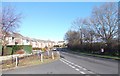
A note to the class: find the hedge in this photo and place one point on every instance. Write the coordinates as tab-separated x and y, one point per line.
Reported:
27	48
11	49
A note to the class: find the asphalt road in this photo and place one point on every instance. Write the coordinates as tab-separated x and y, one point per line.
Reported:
71	64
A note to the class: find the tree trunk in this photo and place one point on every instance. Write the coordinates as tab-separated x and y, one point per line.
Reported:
3	50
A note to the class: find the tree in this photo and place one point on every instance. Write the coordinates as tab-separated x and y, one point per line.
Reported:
86	32
78	25
104	20
9	22
73	38
89	35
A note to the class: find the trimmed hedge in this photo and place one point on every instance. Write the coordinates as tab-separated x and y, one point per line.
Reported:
12	49
27	48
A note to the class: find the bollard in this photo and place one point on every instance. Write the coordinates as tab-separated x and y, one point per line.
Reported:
16	61
53	55
41	57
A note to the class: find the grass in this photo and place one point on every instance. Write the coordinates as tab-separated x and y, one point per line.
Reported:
27	61
103	56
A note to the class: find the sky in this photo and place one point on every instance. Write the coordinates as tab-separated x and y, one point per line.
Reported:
50	20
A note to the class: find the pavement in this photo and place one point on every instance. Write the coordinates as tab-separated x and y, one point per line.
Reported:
71	64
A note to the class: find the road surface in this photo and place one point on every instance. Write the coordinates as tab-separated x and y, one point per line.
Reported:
71	64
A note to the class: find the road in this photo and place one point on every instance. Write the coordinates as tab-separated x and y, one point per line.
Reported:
71	64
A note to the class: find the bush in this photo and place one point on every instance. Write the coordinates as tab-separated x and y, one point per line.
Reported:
27	48
13	49
7	50
95	48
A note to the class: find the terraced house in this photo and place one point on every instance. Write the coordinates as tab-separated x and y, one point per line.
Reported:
18	39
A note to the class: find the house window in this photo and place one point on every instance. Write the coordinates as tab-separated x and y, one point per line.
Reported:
16	43
27	41
12	38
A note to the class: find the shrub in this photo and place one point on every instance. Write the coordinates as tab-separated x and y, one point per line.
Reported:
27	48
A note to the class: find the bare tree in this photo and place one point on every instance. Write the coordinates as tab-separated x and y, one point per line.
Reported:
119	22
78	25
72	37
85	30
104	20
88	35
101	26
9	22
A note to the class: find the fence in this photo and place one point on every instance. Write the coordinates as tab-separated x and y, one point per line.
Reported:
28	59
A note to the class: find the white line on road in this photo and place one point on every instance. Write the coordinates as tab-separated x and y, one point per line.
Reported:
77	69
82	72
84	69
73	65
68	61
78	66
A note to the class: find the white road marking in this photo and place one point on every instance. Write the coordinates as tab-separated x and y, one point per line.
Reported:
84	68
78	66
77	69
82	72
69	62
73	66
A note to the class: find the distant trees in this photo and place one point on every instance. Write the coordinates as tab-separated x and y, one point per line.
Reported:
101	27
73	38
9	22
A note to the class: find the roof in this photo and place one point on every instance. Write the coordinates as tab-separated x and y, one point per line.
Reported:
16	35
61	41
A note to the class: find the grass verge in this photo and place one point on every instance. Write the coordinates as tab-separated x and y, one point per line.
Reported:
27	61
95	55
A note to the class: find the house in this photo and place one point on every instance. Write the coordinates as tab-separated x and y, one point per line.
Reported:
60	43
26	41
14	38
33	43
18	39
